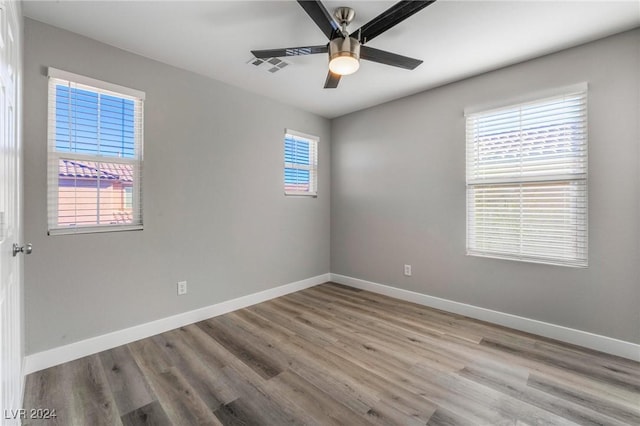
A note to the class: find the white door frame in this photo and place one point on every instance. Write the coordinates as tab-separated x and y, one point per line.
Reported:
11	288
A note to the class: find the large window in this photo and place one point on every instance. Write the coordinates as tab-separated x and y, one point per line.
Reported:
527	181
95	155
300	164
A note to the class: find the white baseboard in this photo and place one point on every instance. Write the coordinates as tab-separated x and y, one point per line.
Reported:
62	354
569	335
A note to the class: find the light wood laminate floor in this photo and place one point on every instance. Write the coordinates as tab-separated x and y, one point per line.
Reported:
334	355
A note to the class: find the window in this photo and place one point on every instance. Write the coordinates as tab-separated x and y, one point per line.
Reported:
95	155
527	181
300	164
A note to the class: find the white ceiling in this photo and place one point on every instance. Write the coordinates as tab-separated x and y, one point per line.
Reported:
456	39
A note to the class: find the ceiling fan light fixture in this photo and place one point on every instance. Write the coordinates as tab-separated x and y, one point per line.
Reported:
344	55
344	65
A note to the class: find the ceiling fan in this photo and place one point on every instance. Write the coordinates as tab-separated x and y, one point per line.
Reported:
345	50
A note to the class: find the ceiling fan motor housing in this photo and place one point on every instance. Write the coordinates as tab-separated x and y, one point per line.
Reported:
347	47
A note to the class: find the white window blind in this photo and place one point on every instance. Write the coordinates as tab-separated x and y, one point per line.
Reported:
300	163
527	181
95	141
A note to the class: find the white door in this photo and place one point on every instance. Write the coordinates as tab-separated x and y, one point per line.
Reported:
10	230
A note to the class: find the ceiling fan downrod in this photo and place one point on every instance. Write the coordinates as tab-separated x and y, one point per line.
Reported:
344	15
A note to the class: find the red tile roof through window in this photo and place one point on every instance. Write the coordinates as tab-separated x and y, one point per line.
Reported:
90	170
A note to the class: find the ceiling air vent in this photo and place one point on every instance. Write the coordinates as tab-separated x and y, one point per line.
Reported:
271	65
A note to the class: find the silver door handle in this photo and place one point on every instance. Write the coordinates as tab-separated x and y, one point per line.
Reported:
22	249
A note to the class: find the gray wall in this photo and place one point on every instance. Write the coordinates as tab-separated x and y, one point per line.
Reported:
398	195
214	210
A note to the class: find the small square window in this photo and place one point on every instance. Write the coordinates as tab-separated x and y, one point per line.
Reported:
300	164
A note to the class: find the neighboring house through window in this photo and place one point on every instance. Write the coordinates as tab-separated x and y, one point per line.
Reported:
300	163
95	155
527	181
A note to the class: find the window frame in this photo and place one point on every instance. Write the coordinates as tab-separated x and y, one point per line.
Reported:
524	180
54	156
312	167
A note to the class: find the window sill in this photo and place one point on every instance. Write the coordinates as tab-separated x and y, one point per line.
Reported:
300	194
553	262
94	229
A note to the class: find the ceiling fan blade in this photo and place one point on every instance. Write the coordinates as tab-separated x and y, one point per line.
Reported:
332	80
289	51
390	18
323	19
388	58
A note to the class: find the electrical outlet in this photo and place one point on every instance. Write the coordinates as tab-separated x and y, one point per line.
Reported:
407	270
182	288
